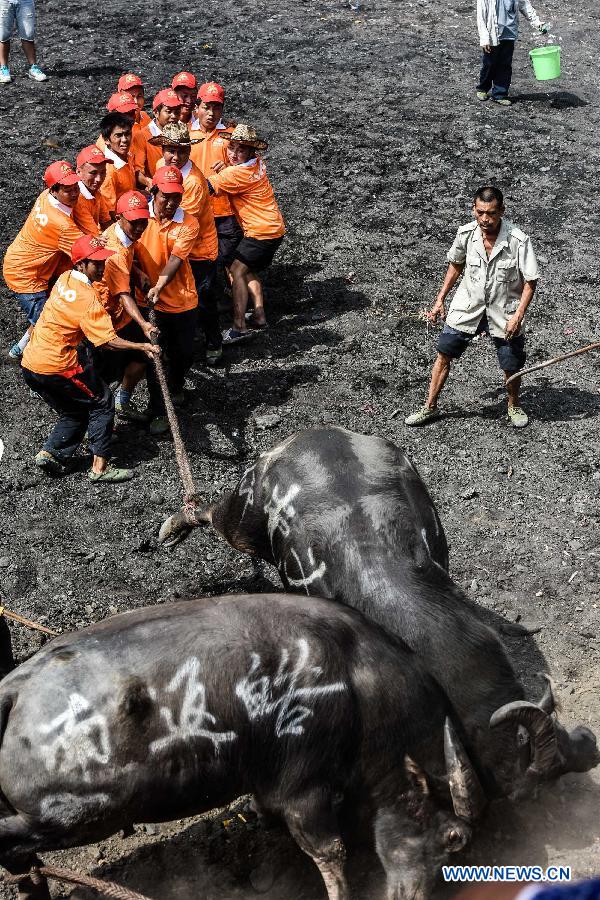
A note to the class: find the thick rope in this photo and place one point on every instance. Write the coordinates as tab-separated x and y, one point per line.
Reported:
23	621
109	888
555	359
190	497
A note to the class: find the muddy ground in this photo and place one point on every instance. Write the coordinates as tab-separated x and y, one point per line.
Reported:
377	143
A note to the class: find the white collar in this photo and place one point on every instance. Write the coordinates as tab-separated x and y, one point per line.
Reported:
154	129
126	241
250	162
221	126
58	205
178	217
118	162
86	193
80	276
185	170
194	124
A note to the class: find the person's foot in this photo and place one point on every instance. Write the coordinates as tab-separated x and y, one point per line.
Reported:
231	336
518	417
159	425
502	101
213	355
111	475
15	354
482	95
252	322
422	416
44	460
37	74
129	411
5	76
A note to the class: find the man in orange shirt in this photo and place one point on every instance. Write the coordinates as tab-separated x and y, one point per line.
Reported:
207	127
185	86
167	108
115	129
129	366
52	368
163	253
91	213
133	84
127	106
41	249
176	145
251	195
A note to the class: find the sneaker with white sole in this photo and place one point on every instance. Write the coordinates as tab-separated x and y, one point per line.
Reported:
15	354
5	76
422	416
518	417
37	74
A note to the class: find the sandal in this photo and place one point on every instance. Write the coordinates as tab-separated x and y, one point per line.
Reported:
111	475
231	336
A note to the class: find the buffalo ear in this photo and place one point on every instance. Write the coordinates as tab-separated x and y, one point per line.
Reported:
416	775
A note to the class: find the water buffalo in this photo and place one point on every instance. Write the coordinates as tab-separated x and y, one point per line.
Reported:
169	711
347	516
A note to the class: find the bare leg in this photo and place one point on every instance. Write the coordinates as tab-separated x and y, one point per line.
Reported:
4	51
512	389
439	376
239	272
132	375
33	888
312	824
256	295
29	51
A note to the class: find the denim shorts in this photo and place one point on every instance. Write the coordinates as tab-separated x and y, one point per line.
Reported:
20	13
32	305
511	354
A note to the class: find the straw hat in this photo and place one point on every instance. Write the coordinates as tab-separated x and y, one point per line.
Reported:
173	133
246	135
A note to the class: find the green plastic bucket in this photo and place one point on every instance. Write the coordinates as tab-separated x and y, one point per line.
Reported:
546	62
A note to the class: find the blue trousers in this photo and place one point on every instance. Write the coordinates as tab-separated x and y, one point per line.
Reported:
496	70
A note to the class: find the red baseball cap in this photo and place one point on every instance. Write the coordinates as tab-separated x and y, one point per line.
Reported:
128	81
60	172
211	92
133	205
91	154
184	79
166	97
89	247
169	180
122	102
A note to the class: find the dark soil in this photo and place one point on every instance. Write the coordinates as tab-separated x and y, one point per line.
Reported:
377	144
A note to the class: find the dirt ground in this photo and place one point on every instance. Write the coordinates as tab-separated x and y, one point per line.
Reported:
377	144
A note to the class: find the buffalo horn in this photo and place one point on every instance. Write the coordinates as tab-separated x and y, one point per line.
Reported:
540	727
177	527
548	702
468	798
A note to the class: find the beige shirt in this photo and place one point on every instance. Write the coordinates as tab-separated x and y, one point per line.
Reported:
493	286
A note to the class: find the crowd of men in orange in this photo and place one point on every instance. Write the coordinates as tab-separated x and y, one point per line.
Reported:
142	222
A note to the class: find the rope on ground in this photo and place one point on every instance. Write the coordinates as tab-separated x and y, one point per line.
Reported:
555	359
23	621
190	496
108	888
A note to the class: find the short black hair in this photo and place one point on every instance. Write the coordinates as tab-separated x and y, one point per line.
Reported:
488	193
111	121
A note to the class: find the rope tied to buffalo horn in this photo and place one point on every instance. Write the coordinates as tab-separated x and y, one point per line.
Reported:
108	888
23	621
555	359
190	497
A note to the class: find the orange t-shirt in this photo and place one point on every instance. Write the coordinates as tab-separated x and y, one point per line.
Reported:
196	201
153	251
71	313
144	119
120	178
39	248
146	155
212	149
117	275
90	213
252	199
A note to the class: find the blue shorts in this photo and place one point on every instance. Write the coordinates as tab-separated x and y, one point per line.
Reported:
511	354
20	13
32	305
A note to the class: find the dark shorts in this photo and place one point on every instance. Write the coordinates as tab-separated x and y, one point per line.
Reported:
111	364
256	254
511	354
229	234
32	305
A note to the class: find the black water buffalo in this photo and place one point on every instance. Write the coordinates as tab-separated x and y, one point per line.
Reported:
347	516
172	710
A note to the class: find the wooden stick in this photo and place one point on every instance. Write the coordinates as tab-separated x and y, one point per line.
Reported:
555	359
23	621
